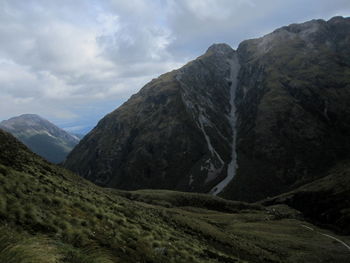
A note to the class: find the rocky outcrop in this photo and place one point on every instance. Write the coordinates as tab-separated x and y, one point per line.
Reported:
243	124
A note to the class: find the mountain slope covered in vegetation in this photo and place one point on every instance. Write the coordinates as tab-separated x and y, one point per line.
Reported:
246	124
49	214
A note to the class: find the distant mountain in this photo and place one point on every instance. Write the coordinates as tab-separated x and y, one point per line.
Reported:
41	136
246	124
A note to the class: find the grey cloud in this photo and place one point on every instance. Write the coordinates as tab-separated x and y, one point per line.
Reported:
202	22
70	59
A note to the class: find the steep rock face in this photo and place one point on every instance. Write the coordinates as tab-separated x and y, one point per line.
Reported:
41	136
293	107
175	133
245	125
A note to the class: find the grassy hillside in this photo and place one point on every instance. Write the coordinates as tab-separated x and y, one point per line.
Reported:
51	215
325	201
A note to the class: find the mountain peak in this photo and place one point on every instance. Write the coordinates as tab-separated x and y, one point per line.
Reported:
338	19
220	48
41	136
28	119
30	116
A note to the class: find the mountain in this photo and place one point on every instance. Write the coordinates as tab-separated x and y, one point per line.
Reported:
246	124
50	215
325	200
173	134
293	107
41	136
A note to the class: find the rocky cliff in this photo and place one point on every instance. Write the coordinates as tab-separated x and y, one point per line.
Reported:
176	133
243	124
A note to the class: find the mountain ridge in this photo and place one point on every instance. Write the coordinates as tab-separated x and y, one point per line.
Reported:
41	136
293	118
169	85
174	134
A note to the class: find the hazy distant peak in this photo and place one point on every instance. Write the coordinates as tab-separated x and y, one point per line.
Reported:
30	115
28	119
41	136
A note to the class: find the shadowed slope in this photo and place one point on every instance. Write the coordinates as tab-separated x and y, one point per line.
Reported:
76	221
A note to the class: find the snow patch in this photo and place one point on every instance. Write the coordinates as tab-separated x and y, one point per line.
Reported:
232	117
48	134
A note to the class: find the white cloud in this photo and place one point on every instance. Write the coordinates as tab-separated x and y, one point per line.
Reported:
56	55
72	59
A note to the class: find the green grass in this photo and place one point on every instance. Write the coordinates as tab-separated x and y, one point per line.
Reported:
21	248
56	216
325	201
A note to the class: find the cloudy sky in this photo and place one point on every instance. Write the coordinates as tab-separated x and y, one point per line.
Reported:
73	61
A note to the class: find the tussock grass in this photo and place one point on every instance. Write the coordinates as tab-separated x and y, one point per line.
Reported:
86	255
59	217
16	248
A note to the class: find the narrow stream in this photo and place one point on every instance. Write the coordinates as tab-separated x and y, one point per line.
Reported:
232	166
